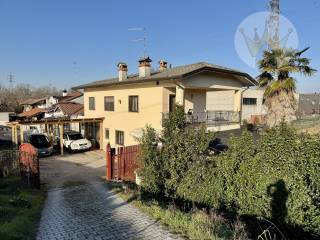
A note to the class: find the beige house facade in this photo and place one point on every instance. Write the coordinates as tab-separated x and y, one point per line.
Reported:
130	102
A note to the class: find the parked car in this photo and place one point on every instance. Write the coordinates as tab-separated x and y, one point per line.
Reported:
216	146
74	141
42	144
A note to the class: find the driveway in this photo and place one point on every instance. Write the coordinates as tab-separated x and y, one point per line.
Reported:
79	205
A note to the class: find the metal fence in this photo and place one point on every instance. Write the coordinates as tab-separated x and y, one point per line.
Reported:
9	163
23	162
122	164
214	117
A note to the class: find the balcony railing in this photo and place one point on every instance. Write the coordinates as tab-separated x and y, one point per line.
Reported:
212	118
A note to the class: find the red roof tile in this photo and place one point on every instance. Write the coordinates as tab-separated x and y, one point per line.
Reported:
71	108
33	112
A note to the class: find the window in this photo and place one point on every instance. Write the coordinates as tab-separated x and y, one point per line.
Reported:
107	133
133	104
119	137
249	101
92	103
109	103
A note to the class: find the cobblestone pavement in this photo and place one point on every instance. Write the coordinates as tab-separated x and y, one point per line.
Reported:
91	211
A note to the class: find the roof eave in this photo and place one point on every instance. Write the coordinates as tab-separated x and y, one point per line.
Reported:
250	79
128	82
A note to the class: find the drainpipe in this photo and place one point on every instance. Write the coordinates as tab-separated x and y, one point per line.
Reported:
242	104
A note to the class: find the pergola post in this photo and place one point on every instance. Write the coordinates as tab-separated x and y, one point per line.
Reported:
12	134
16	135
21	134
61	138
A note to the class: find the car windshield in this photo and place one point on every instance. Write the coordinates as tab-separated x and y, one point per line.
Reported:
39	141
76	136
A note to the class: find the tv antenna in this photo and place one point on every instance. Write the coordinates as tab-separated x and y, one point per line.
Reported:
143	39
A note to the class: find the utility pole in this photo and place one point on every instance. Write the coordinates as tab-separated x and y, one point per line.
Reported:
11	79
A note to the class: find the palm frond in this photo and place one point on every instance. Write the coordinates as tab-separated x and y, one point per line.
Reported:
298	54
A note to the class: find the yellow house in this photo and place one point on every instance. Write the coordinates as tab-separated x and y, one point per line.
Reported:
211	95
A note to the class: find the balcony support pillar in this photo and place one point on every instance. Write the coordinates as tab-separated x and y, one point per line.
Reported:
180	95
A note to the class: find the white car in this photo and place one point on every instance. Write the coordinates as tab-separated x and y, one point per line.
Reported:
74	141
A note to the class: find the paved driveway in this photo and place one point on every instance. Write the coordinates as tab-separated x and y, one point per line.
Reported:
79	206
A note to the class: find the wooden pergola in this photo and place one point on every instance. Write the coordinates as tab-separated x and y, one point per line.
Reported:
15	126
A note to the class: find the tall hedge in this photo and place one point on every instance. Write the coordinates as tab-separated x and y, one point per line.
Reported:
277	178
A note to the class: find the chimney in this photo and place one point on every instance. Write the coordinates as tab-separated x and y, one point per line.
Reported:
145	67
162	65
64	92
123	71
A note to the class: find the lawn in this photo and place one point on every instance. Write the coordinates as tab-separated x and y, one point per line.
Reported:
195	224
20	209
308	124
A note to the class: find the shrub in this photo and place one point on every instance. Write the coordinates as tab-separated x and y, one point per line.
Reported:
277	178
150	162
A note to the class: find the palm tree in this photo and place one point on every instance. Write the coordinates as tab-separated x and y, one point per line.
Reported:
277	66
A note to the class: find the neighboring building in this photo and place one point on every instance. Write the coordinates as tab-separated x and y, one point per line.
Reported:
43	103
33	114
75	96
129	103
66	110
309	104
6	114
253	105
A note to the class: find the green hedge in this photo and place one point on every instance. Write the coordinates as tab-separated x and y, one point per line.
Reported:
277	178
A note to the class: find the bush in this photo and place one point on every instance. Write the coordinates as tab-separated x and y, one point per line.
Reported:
150	162
277	178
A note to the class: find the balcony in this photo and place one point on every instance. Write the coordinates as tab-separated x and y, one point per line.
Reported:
214	120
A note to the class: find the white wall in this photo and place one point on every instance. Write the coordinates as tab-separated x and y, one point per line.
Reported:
210	80
195	100
4	116
220	100
258	109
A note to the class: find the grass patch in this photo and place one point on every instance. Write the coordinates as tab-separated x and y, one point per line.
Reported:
20	209
195	224
310	124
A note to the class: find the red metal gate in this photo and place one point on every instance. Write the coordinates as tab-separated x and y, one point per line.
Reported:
121	165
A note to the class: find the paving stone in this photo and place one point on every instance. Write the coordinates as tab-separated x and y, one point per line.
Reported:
93	212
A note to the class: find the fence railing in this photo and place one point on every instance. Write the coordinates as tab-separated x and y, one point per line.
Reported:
9	163
211	118
23	162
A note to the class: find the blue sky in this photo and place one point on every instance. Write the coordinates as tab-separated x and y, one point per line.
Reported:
69	42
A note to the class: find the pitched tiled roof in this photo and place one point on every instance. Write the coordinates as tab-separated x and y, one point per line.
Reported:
171	73
32	101
70	108
33	112
70	96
